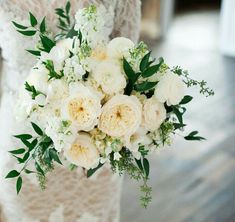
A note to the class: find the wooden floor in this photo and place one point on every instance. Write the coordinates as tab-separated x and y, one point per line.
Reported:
194	182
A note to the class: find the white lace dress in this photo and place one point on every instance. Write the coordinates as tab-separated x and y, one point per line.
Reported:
69	196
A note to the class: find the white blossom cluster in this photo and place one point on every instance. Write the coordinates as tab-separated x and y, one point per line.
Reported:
85	110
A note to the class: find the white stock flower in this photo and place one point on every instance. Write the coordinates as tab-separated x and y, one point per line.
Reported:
119	47
61	132
170	89
121	116
136	140
92	23
82	107
109	76
154	113
83	152
73	70
58	54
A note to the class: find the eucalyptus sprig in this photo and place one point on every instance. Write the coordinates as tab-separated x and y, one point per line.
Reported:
38	150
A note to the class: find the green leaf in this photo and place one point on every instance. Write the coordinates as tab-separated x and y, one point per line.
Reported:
90	172
129	71
72	33
27	33
18	151
39	169
37	129
67	7
178	114
54	156
186	100
28	171
43	25
178	125
26	157
24	136
47	43
33	20
12	174
34	52
33	144
145	86
151	71
144	62
19	26
146	166
19	184
138	162
192	136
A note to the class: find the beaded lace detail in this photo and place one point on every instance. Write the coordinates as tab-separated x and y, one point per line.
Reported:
70	196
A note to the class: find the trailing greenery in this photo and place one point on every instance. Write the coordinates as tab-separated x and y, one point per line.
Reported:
137	169
204	89
37	149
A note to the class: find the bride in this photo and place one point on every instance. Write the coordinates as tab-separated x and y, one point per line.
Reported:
69	197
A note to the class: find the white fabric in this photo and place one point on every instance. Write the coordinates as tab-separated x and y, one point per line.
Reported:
70	196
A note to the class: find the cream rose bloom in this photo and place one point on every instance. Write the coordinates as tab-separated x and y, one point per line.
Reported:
119	47
170	89
108	75
121	116
154	114
83	152
82	107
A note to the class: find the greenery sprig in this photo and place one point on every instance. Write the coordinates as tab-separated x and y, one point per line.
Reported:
46	43
204	89
38	150
32	90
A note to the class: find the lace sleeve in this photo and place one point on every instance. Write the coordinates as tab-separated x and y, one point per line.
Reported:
127	19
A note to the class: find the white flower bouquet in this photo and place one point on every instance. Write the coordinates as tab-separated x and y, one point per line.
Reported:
90	101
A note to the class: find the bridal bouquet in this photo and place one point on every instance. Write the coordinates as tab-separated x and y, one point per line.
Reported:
91	101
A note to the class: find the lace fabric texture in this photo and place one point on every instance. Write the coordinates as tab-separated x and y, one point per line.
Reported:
70	196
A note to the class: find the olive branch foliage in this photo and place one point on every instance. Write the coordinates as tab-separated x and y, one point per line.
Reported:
40	149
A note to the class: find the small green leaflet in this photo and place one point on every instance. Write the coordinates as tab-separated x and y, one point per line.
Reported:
34	52
33	20
43	25
32	90
90	172
19	184
17	25
186	100
144	86
146	167
17	152
12	174
144	62
27	33
193	136
37	129
129	71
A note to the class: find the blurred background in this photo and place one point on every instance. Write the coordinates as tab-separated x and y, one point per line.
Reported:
193	181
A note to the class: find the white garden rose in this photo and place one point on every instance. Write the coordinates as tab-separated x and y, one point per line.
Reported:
170	89
58	54
82	107
38	77
121	116
83	152
57	90
108	75
154	113
119	47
